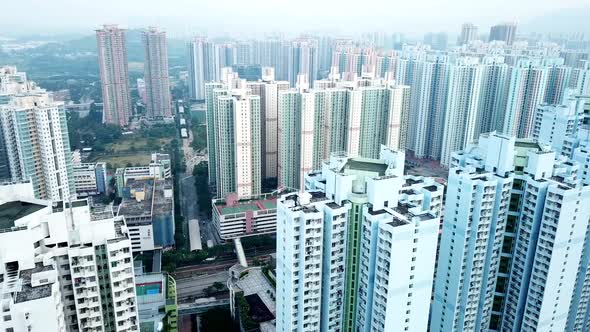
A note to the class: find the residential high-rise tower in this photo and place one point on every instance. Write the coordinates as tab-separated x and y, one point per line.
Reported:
505	32
35	141
468	34
157	80
356	250
114	75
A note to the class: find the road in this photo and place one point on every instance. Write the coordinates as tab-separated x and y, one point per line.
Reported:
189	195
219	265
188	289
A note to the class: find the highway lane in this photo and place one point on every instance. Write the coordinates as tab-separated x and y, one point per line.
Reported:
188	289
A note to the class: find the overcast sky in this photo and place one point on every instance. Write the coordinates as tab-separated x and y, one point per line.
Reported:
257	17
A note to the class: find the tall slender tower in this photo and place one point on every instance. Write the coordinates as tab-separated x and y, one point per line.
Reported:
157	81
268	89
234	137
462	106
429	83
478	195
303	60
114	75
296	137
494	88
468	34
505	32
201	65
35	141
356	252
528	83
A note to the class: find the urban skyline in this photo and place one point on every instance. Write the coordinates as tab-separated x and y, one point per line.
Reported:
305	182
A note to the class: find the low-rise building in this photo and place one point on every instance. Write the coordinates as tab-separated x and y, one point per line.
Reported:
148	207
159	168
90	179
157	302
237	217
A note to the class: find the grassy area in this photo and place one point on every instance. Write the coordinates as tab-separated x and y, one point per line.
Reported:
116	161
133	149
133	142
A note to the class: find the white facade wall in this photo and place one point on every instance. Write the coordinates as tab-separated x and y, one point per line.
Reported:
70	240
462	107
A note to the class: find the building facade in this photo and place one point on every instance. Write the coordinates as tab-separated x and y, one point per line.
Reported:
478	195
114	75
468	34
340	240
67	267
157	80
235	136
90	179
505	32
36	145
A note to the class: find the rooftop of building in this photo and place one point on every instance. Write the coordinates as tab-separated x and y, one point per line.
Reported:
28	292
431	188
365	165
528	144
153	203
11	211
231	205
413	180
59	205
405	210
100	211
333	205
86	166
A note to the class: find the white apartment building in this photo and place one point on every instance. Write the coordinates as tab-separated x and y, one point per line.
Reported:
357	248
35	140
493	94
268	89
303	59
465	81
555	123
234	116
526	90
428	78
201	66
64	266
478	194
296	129
548	280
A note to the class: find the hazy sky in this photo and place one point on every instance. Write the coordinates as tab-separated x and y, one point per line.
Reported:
221	17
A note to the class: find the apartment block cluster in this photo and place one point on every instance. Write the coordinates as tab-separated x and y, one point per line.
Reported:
356	249
261	130
359	248
453	94
66	260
